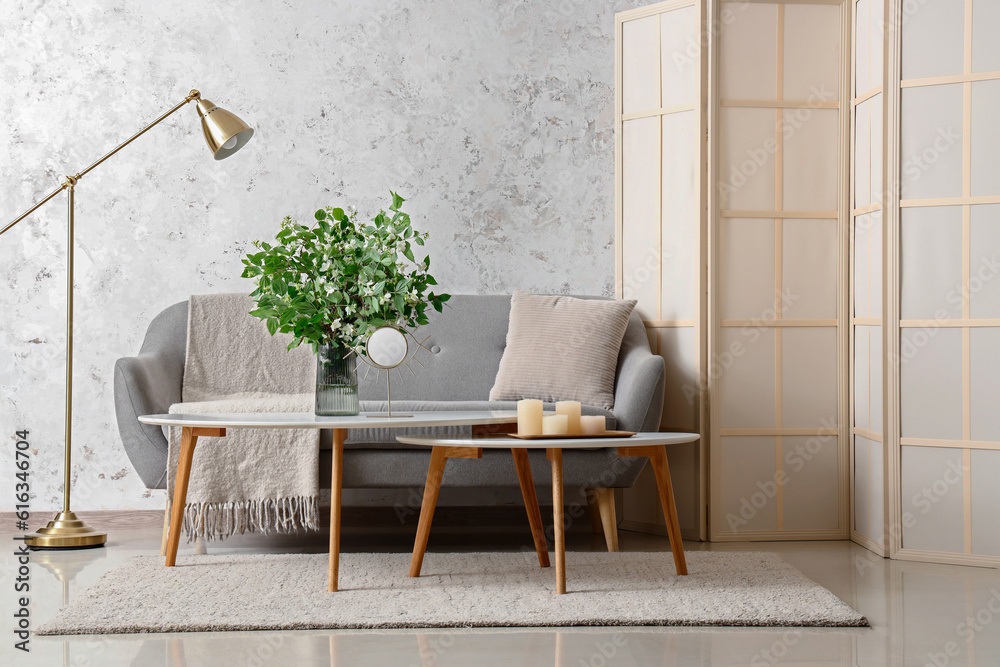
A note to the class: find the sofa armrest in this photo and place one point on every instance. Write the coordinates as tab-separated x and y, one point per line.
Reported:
146	384
639	391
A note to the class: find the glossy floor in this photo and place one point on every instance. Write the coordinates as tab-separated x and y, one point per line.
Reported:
920	614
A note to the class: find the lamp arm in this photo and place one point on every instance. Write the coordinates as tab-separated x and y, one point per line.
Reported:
71	180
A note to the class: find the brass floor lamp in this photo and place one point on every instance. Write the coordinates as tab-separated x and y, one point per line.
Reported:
225	134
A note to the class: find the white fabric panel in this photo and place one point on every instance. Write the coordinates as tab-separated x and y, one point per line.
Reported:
863	257
748	52
933	39
812	52
931	383
679	349
931	141
862	154
984	261
875	275
875	386
862	47
931	240
744	365
862	377
877	14
809	377
746	158
984	346
876	519
640	65
985	45
932	498
985	136
985	502
679	65
681	221
875	171
811	494
811	167
862	486
747	465
640	212
809	268
746	268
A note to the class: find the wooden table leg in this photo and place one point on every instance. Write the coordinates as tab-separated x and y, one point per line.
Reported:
658	459
435	472
662	471
531	503
336	490
555	456
189	438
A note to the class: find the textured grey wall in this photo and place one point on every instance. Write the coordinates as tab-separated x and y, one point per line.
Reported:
493	117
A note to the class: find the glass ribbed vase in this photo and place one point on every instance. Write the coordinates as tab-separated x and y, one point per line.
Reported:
336	382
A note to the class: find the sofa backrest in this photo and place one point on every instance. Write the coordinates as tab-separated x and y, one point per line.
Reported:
464	346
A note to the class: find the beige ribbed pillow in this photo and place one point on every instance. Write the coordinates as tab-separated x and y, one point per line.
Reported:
562	349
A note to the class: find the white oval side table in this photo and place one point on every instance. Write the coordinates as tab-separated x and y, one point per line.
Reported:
652	445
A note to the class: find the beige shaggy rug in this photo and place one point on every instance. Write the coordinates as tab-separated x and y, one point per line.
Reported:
271	592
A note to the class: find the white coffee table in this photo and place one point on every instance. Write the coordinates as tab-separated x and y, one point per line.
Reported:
652	445
214	425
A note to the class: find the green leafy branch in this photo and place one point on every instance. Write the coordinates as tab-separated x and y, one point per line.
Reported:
335	282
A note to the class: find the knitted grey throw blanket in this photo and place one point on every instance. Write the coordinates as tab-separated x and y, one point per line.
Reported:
251	480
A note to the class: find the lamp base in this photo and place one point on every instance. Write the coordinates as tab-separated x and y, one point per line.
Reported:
65	531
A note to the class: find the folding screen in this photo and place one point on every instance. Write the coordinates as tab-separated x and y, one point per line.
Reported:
779	447
660	207
948	235
867	454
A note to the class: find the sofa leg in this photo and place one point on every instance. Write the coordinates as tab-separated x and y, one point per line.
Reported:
166	528
606	506
200	546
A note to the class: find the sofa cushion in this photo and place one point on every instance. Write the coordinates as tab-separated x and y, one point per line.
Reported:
562	348
385	438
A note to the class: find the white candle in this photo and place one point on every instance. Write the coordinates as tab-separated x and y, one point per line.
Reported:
593	425
572	410
529	417
555	425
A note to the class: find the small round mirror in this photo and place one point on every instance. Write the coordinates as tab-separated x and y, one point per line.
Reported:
387	347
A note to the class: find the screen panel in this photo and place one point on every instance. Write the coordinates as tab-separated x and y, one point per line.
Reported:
777	348
660	204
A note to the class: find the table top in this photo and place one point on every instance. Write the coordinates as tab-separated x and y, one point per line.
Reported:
505	442
309	420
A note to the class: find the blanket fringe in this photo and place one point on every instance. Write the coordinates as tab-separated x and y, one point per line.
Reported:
216	521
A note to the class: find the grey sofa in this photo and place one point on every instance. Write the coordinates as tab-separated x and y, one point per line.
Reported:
466	343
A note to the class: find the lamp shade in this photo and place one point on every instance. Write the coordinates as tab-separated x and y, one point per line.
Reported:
224	131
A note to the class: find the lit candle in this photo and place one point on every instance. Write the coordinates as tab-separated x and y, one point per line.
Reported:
593	425
555	425
572	410
529	417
